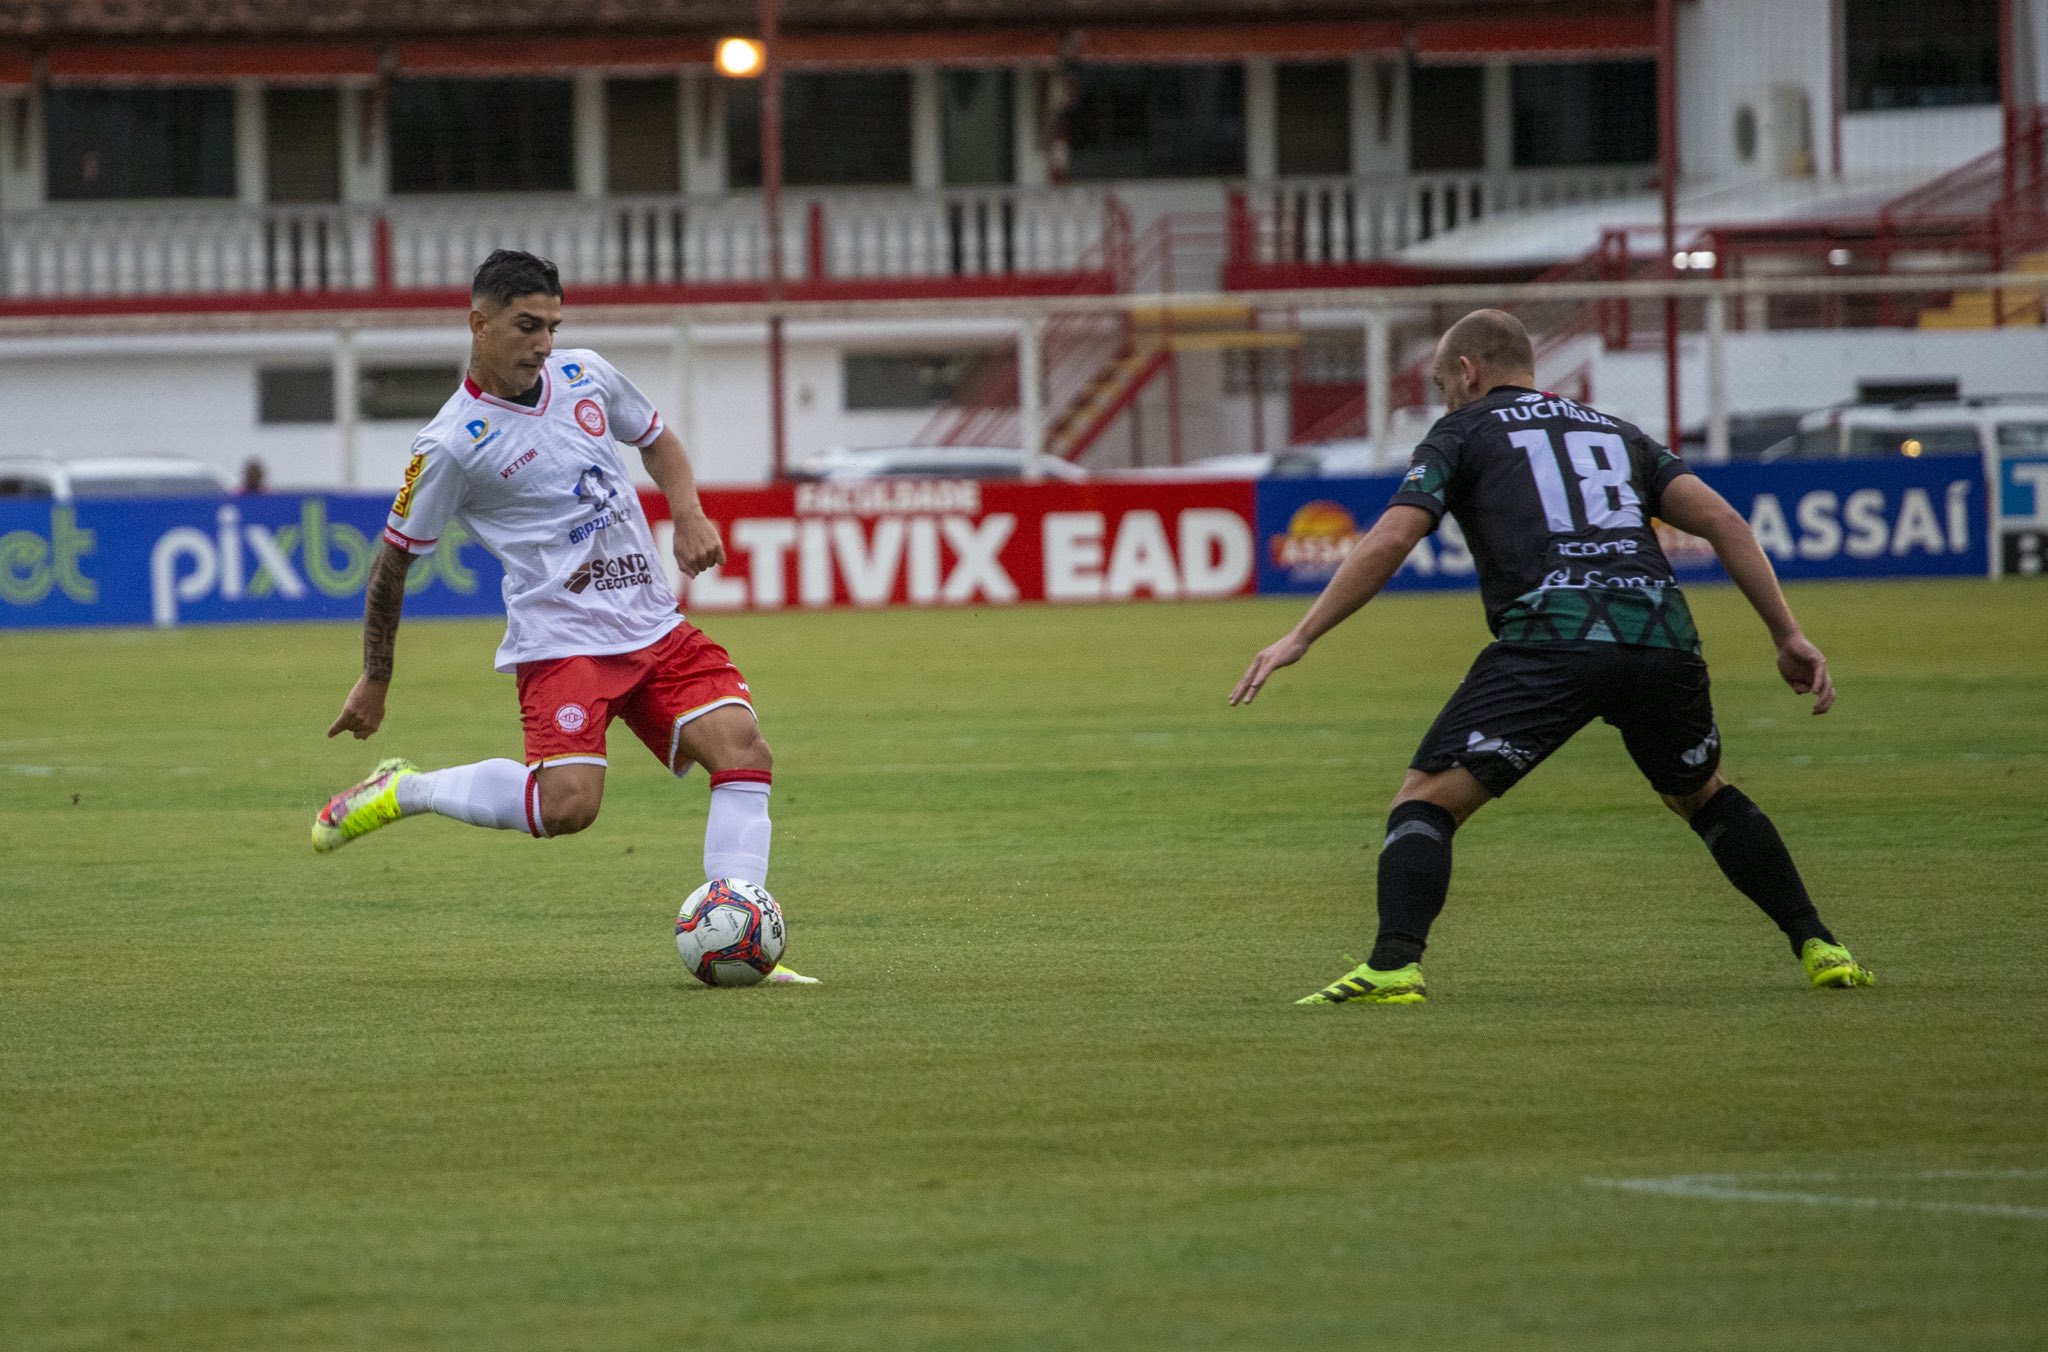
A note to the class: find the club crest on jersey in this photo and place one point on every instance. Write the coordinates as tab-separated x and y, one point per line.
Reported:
571	718
575	373
590	417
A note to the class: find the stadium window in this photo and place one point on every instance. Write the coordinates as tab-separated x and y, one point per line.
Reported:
1314	118
481	136
1156	122
104	144
839	129
302	144
1584	112
904	380
1910	54
296	394
1446	118
405	393
643	140
977	110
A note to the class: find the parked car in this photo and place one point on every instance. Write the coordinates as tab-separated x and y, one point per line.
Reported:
847	464
2014	425
110	477
1329	459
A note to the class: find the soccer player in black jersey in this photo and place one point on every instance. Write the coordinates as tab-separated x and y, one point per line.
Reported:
1556	501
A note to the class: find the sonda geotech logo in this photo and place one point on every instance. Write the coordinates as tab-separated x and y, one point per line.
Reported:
627	570
1319	535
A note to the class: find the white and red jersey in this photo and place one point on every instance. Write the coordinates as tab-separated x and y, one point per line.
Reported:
547	491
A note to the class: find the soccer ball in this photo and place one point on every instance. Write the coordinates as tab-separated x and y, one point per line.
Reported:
730	933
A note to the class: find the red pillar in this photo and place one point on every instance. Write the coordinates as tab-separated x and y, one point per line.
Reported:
771	211
1667	171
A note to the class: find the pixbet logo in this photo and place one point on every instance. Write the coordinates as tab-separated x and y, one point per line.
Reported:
30	565
313	554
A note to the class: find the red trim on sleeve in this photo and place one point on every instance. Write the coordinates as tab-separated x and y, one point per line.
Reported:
406	542
653	431
722	777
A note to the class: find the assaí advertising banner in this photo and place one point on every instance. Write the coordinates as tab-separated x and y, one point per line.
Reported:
1898	517
260	557
968	542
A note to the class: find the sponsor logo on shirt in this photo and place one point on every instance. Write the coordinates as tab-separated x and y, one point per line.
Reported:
402	504
1593	549
521	463
480	433
571	718
612	516
575	373
594	488
627	570
590	417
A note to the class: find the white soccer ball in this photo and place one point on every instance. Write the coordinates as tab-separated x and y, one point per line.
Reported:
730	933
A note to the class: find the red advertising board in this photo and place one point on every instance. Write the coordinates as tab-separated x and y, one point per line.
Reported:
964	542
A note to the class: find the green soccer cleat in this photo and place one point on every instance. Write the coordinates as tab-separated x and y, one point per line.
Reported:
783	976
362	809
1402	986
1829	965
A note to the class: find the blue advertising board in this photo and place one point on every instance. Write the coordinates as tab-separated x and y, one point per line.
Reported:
219	560
1900	517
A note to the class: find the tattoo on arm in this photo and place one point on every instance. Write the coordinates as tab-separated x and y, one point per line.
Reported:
383	603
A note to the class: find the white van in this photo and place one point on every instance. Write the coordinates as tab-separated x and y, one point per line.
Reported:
2004	426
142	476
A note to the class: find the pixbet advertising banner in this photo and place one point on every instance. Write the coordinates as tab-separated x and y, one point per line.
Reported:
966	542
211	561
1900	517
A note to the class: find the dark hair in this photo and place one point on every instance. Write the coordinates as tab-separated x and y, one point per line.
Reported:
510	273
1493	339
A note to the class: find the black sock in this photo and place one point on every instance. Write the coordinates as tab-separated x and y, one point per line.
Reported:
1753	855
1415	875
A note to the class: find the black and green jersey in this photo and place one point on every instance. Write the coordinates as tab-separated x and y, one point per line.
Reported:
1556	501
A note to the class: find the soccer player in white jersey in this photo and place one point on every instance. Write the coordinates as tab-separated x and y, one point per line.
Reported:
525	455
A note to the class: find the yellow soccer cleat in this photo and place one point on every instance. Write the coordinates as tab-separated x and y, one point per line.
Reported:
359	810
783	976
1831	965
1368	986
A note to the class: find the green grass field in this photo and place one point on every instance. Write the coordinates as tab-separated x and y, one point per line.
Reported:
451	1089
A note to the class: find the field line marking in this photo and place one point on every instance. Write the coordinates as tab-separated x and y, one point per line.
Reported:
1745	1188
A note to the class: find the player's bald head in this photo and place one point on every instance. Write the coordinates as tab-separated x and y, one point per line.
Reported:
1493	340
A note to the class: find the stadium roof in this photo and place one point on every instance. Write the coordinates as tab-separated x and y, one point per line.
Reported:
370	19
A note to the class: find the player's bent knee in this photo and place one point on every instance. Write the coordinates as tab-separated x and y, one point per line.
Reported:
569	818
1686	804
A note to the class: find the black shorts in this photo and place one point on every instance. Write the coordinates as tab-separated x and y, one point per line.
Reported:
1522	701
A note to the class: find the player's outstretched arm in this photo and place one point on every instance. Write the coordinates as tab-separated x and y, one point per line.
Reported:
383	603
697	545
1692	506
1366	569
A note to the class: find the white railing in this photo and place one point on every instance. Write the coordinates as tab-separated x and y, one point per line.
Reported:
78	251
963	233
603	242
183	250
1341	220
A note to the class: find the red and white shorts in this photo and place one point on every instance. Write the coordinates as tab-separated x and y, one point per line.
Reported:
566	703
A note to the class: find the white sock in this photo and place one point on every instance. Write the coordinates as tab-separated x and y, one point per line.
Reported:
737	829
494	793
